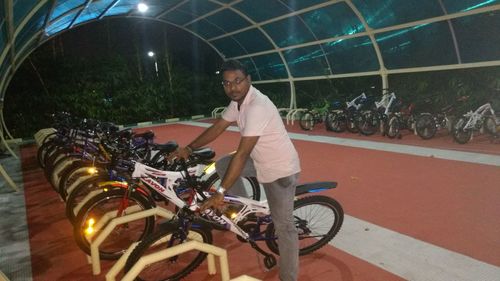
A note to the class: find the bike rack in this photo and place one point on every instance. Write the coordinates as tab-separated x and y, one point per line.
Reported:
290	117
79	180
3	277
217	111
178	249
85	199
41	134
94	245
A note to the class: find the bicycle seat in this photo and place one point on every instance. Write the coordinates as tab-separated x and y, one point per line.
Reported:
204	153
168	147
149	135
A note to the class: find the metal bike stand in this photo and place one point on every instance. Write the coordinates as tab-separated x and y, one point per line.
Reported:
218	111
293	113
94	245
85	199
7	178
3	277
211	250
41	134
78	181
4	128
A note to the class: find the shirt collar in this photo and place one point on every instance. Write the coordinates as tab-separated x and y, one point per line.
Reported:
250	96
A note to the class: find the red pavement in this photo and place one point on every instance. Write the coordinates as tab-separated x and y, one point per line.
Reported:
447	203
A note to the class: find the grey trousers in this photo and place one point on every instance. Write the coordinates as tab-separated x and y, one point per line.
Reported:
280	197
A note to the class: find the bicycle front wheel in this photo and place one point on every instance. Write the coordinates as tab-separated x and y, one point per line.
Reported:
336	122
425	126
460	134
392	127
307	121
107	204
173	268
368	123
317	218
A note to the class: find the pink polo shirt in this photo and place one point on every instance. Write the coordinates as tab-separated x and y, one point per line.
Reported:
274	155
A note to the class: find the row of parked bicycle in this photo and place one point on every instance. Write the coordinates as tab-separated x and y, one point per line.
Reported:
103	174
389	116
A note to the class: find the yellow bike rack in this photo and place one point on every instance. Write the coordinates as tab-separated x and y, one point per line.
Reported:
94	245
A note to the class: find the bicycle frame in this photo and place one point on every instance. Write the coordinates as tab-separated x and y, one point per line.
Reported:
249	206
354	103
474	117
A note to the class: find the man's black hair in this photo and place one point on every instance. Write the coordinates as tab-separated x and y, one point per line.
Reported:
232	65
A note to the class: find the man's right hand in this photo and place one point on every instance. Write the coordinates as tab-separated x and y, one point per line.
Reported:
181	152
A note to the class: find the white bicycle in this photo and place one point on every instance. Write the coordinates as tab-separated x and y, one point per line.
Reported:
318	219
482	119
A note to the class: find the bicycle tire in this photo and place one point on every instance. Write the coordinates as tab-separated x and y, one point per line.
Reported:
307	121
80	192
368	123
251	183
351	123
426	126
58	168
336	122
490	126
392	127
109	250
161	270
68	176
461	135
318	201
42	150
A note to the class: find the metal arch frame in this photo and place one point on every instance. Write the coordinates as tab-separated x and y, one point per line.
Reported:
452	31
371	35
223	7
381	30
9	47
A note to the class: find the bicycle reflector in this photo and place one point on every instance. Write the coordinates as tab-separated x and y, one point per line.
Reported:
90	226
92	170
210	168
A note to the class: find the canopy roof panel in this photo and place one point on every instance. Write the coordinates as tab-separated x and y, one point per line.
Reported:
286	40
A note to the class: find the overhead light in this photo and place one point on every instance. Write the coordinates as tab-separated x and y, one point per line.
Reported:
151	54
142	7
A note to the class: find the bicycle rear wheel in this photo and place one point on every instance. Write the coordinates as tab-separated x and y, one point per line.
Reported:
307	121
425	126
491	127
173	268
317	218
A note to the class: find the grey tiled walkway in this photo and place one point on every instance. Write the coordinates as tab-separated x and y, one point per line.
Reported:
15	260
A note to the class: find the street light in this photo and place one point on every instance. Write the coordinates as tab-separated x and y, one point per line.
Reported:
151	54
142	7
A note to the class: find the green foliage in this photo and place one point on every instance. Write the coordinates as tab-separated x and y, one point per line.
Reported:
105	89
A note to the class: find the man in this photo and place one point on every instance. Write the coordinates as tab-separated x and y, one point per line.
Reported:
265	149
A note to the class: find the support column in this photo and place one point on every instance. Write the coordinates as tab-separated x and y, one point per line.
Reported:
4	142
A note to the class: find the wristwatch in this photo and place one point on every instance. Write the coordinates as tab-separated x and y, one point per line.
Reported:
220	190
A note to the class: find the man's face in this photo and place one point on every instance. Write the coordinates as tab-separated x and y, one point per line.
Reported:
236	85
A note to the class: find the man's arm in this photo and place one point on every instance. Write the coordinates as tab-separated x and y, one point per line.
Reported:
210	134
233	171
238	161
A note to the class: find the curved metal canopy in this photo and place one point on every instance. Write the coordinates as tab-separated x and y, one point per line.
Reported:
286	40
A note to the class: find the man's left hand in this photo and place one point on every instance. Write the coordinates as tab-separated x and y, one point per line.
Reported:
215	201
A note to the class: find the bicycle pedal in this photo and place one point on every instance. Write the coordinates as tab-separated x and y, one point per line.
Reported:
269	262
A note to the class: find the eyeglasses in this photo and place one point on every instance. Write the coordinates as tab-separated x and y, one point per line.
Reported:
236	82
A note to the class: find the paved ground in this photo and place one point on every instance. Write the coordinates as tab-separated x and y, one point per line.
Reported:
415	210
